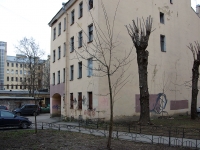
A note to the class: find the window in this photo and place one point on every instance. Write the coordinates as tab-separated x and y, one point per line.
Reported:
7	86
20	71
90	67
63	75
24	71
12	79
11	86
54	55
90	100
171	1
71	72
162	43
16	64
7	114
64	24
162	19
12	71
20	86
54	33
59	52
58	77
53	78
12	64
7	71
64	46
20	79
71	101
59	28
38	67
16	71
72	17
90	4
24	86
24	79
80	39
79	100
25	66
90	36
80	9
16	86
20	65
7	64
79	70
16	79
72	44
7	78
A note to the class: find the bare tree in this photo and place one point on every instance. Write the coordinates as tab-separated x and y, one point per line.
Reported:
103	51
140	33
195	76
32	63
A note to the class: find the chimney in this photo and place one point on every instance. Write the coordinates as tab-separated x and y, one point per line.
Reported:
198	10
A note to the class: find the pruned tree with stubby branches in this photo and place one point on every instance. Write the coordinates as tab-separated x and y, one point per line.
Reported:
108	64
140	32
195	77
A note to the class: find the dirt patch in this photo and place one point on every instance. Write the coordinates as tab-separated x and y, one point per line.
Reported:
63	140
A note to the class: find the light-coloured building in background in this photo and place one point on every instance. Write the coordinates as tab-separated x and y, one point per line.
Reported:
75	92
3	53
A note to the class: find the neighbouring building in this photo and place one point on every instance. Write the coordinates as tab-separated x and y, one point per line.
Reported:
18	73
76	92
3	53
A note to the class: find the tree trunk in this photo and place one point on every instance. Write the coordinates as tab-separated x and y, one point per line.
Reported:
195	77
111	114
142	60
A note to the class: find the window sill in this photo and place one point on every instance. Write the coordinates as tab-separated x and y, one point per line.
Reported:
54	61
71	108
58	83
88	76
64	30
59	34
71	80
90	42
71	24
79	78
71	51
58	58
80	17
80	46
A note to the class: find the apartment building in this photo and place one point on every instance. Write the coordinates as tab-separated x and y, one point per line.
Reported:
76	92
17	76
3	53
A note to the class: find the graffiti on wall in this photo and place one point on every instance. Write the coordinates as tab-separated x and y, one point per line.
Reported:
160	104
90	112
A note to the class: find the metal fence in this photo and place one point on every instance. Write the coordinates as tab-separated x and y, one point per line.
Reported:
171	136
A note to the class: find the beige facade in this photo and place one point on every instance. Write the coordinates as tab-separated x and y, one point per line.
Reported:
17	72
170	61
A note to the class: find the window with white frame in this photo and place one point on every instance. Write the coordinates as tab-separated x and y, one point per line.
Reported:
12	71
80	39
20	79
72	44
16	71
7	64
79	70
90	67
90	4
16	64
80	9
59	77
64	49
12	64
8	71
7	78
16	79
59	28
54	55
53	79
162	43
64	24
20	71
12	78
59	52
63	75
72	17
71	72
90	33
54	33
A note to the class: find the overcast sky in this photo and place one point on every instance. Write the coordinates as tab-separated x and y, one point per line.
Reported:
30	18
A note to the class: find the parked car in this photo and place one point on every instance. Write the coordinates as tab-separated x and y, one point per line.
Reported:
3	107
27	109
8	119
